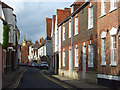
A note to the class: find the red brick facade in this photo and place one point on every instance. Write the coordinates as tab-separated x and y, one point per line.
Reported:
105	23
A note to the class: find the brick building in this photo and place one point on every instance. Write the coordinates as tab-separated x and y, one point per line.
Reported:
25	51
79	45
108	21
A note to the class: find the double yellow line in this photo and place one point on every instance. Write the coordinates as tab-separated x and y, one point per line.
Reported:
54	80
18	81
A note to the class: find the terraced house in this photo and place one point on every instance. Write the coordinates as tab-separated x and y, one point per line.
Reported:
79	45
108	27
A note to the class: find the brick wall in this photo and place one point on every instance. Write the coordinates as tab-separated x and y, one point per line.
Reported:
106	23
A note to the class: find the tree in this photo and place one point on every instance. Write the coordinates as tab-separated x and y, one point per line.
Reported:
5	36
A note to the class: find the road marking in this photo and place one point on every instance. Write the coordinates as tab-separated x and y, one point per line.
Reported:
54	80
18	81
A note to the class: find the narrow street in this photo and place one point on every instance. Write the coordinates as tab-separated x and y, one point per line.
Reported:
33	78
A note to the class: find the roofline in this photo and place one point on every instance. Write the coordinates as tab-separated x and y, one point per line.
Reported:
7	6
71	15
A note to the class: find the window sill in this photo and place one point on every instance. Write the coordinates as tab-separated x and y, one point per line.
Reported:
103	15
69	37
76	66
111	10
103	64
76	34
91	66
90	28
113	64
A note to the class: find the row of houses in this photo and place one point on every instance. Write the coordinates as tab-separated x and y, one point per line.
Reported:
85	42
9	37
36	52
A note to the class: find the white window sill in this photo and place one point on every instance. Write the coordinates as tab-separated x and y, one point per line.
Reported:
69	37
113	64
103	64
113	9
76	66
90	65
90	28
76	34
102	15
63	66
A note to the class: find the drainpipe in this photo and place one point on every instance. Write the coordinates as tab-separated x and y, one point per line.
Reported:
72	43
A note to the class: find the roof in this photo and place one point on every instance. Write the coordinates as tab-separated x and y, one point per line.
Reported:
42	44
6	6
74	13
48	28
36	45
62	14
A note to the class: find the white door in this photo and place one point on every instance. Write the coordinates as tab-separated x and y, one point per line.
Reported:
84	62
69	62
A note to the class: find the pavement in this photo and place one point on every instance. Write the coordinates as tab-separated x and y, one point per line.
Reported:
75	83
10	79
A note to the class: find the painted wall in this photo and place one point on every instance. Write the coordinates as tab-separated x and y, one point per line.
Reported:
1	26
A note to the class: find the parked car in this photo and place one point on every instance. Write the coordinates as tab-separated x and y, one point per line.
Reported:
38	65
22	64
33	64
44	65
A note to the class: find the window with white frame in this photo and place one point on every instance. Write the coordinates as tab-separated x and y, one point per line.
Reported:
76	57
113	50
90	56
69	28
63	58
63	32
90	17
76	25
112	5
103	51
103	7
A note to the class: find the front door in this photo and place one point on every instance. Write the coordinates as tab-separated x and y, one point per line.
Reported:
84	62
70	62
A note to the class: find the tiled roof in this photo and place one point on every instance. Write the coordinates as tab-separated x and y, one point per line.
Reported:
36	45
54	20
48	28
62	14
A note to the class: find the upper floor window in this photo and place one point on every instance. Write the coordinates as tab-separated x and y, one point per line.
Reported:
112	5
103	7
69	29
76	25
90	17
76	57
63	33
90	55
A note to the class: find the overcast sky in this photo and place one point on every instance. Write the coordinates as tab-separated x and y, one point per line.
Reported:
31	17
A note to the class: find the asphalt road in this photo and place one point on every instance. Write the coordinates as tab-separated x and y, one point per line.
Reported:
33	78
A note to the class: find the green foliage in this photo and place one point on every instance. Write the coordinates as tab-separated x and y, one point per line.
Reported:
5	36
